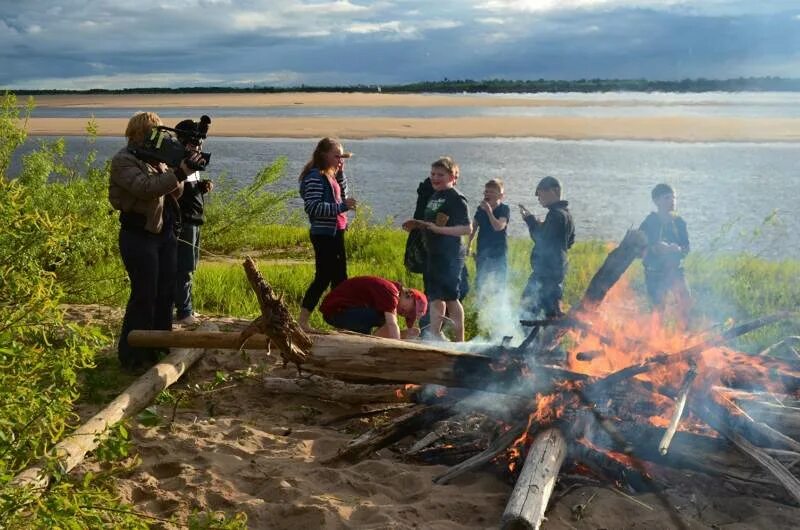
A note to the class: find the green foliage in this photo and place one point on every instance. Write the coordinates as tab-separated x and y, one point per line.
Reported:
40	354
231	212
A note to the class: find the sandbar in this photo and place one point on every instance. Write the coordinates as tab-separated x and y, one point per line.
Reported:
675	129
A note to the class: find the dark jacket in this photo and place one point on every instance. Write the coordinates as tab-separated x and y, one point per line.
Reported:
671	231
424	192
136	187
552	238
319	202
192	203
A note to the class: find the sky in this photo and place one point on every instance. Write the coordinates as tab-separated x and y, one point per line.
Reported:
82	44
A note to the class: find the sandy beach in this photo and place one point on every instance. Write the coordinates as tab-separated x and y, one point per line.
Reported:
661	128
242	448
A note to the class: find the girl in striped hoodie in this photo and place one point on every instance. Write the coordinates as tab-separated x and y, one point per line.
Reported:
323	188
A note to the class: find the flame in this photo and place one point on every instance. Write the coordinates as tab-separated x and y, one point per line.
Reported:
405	391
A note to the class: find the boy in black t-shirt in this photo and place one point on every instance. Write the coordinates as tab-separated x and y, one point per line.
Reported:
490	223
446	219
667	245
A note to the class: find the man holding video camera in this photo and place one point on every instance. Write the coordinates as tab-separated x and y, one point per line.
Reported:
145	190
192	204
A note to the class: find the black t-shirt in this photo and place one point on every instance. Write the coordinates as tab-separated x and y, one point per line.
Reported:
491	242
445	208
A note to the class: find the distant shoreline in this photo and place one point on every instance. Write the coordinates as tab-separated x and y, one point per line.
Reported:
655	128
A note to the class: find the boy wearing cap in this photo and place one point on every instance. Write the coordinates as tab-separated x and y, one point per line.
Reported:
365	302
192	205
552	238
667	245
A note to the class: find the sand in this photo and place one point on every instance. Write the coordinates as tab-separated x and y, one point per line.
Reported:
666	128
241	449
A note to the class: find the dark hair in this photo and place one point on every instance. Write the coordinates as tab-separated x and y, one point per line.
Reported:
660	190
318	156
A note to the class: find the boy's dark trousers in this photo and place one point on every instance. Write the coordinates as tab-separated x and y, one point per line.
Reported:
331	267
188	256
543	294
661	282
150	260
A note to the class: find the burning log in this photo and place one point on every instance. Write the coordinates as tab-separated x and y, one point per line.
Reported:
390	433
616	263
680	404
690	354
498	446
528	502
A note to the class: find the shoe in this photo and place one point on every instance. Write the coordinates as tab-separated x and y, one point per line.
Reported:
190	320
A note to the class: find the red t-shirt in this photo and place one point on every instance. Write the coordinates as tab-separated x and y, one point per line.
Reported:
362	291
341	219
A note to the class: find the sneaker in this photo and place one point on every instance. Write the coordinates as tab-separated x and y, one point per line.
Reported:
190	320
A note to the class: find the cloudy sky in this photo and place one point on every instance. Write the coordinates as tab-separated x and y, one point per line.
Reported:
112	44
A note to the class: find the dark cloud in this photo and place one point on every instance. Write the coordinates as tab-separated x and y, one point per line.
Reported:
80	44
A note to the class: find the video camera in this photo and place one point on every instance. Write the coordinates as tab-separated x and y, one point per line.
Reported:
170	146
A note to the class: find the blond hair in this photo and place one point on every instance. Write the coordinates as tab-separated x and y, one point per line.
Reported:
496	183
140	125
324	147
448	164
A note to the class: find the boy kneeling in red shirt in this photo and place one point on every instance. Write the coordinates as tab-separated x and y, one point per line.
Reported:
365	302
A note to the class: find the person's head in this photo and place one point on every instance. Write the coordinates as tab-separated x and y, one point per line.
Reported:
140	125
327	157
444	173
493	191
664	198
187	131
411	304
548	191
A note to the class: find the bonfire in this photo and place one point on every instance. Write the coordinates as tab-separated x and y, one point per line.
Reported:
603	394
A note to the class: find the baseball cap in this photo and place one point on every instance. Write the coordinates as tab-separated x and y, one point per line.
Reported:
420	306
548	183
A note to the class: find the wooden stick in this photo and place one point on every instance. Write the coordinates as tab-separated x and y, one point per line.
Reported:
71	451
680	404
528	502
385	435
497	446
778	470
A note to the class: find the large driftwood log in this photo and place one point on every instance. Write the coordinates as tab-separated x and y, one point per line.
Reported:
338	392
72	450
526	507
365	358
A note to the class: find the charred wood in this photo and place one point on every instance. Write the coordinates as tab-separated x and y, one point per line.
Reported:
336	391
385	435
499	445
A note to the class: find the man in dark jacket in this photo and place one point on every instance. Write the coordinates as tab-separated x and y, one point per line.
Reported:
552	238
192	204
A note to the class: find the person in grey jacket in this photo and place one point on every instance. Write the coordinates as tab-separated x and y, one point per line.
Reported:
145	192
323	188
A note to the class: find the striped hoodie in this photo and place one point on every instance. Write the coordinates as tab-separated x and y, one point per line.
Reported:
319	202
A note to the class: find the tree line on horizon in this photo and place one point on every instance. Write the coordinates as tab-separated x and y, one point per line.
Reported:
449	86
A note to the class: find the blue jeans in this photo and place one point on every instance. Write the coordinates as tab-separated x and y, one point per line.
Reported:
188	256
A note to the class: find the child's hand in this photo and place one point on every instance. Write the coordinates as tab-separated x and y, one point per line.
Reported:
485	206
351	203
